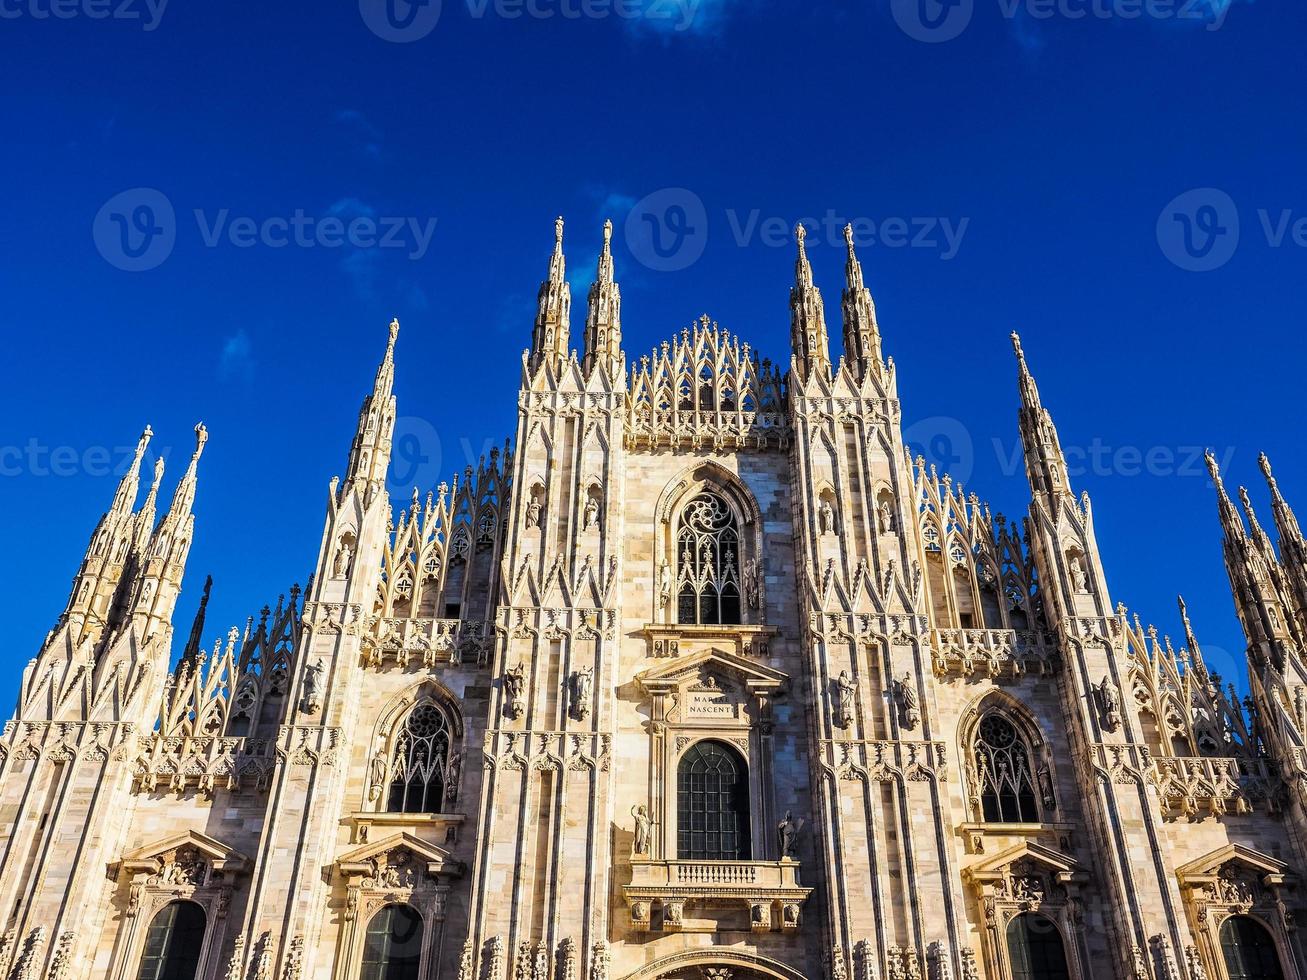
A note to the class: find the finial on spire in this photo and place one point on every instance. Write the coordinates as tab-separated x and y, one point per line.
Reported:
558	233
848	237
1016	347
201	437
394	332
1214	470
801	233
158	474
608	232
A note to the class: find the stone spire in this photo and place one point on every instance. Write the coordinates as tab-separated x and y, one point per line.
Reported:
369	457
1045	464
807	317
549	339
1293	549
192	651
111	550
603	322
162	565
1231	523
861	332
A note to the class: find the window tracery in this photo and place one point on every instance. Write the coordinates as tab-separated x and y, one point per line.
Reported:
1003	771
420	761
708	562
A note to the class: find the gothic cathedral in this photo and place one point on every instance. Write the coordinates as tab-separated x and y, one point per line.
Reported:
702	678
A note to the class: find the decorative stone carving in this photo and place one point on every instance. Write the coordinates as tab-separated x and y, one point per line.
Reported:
844	694
312	702
514	691
643	829
1109	704
905	694
580	686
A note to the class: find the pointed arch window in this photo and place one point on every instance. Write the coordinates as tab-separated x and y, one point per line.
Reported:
392	948
1249	950
1035	949
708	562
173	943
420	762
1007	784
712	813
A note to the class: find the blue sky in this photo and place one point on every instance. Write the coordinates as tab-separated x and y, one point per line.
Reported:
1035	170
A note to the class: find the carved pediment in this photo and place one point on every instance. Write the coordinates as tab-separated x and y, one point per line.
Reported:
186	858
1231	856
1027	856
395	861
716	667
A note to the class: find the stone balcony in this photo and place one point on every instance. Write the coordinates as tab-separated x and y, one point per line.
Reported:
1191	785
992	652
703	896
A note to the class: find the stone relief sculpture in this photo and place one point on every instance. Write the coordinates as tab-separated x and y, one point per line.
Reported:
665	584
826	518
591	516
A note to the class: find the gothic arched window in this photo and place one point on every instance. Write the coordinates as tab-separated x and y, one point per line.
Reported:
1035	950
712	814
173	943
1249	950
419	762
392	948
1007	784
708	562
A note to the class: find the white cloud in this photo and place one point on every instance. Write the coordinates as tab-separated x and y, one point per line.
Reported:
236	361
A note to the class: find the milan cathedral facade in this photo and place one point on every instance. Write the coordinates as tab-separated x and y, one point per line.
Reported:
704	678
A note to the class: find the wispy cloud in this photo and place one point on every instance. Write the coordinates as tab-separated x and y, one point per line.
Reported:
370	141
669	19
236	361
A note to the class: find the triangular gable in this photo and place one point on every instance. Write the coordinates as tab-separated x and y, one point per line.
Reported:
151	857
754	676
1055	861
1208	866
437	859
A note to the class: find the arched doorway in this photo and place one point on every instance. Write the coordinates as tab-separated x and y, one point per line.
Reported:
392	948
173	943
712	797
1035	950
1248	950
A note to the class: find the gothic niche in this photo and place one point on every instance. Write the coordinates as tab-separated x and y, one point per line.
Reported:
535	505
342	563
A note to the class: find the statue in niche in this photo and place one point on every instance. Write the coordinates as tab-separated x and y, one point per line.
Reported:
313	686
665	583
1045	777
514	686
886	517
344	559
533	511
1109	704
787	836
905	693
844	691
376	776
581	683
452	773
752	583
1079	580
591	519
643	829
826	518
